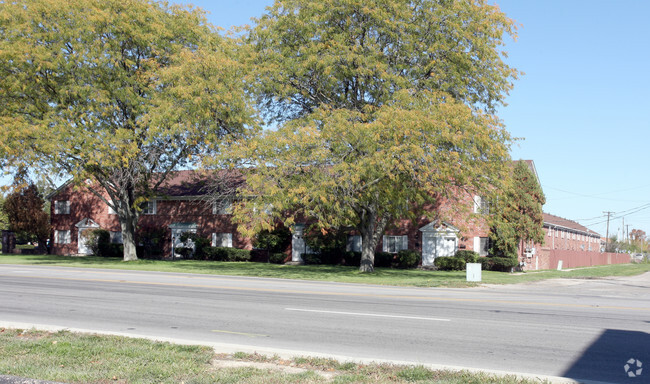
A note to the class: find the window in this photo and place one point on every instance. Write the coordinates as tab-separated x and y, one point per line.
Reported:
353	244
484	246
116	237
149	208
223	207
549	232
62	207
481	205
222	240
394	244
62	237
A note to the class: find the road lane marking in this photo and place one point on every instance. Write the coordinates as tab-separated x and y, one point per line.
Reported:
251	335
366	314
343	294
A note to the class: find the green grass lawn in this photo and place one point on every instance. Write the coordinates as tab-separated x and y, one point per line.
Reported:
83	358
382	276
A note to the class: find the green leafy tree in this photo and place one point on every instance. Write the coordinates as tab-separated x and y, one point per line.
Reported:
381	105
518	216
119	92
26	215
4	220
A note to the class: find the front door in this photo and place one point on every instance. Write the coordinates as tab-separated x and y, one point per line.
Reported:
445	246
83	237
428	248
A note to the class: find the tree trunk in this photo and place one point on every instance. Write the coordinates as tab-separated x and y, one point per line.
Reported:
371	229
128	222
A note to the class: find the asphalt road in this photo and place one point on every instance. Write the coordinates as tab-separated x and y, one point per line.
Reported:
580	329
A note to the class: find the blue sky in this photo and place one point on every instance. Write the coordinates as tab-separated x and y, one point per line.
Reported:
581	108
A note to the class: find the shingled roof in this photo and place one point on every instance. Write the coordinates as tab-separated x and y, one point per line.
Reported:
199	183
556	221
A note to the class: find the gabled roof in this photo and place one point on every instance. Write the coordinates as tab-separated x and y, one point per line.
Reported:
556	221
187	183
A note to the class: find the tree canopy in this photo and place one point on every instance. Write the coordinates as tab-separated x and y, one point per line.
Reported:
518	216
24	209
121	92
381	106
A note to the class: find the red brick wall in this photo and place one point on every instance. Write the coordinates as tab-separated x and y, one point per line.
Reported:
84	204
458	213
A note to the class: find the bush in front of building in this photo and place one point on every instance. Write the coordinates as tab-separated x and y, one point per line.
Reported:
499	264
449	263
407	259
99	242
198	250
468	256
226	254
277	258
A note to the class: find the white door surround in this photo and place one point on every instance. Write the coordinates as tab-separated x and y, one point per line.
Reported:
438	240
177	230
82	239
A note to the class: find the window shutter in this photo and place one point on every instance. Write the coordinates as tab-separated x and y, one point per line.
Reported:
405	242
477	244
384	242
214	239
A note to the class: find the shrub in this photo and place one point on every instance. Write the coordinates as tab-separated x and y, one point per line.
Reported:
226	254
150	243
352	258
277	258
500	264
383	259
277	240
200	245
95	237
111	250
468	256
311	258
407	259
448	263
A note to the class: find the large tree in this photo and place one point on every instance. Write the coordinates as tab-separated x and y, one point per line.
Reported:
119	92
26	214
381	106
517	213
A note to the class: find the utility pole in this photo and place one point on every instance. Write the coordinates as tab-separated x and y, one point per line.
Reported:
627	230
608	213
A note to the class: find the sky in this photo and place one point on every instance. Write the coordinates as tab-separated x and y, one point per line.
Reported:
580	109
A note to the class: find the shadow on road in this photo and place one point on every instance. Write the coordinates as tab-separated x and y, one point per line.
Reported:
617	356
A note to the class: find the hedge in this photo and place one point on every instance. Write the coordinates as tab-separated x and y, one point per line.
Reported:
499	264
226	254
449	263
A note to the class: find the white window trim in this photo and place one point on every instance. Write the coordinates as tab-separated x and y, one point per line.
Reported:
151	207
62	236
400	243
223	207
58	205
481	206
225	237
353	243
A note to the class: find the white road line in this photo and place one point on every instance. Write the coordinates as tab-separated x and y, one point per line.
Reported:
366	314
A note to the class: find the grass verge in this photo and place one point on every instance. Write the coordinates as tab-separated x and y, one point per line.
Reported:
381	276
82	358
